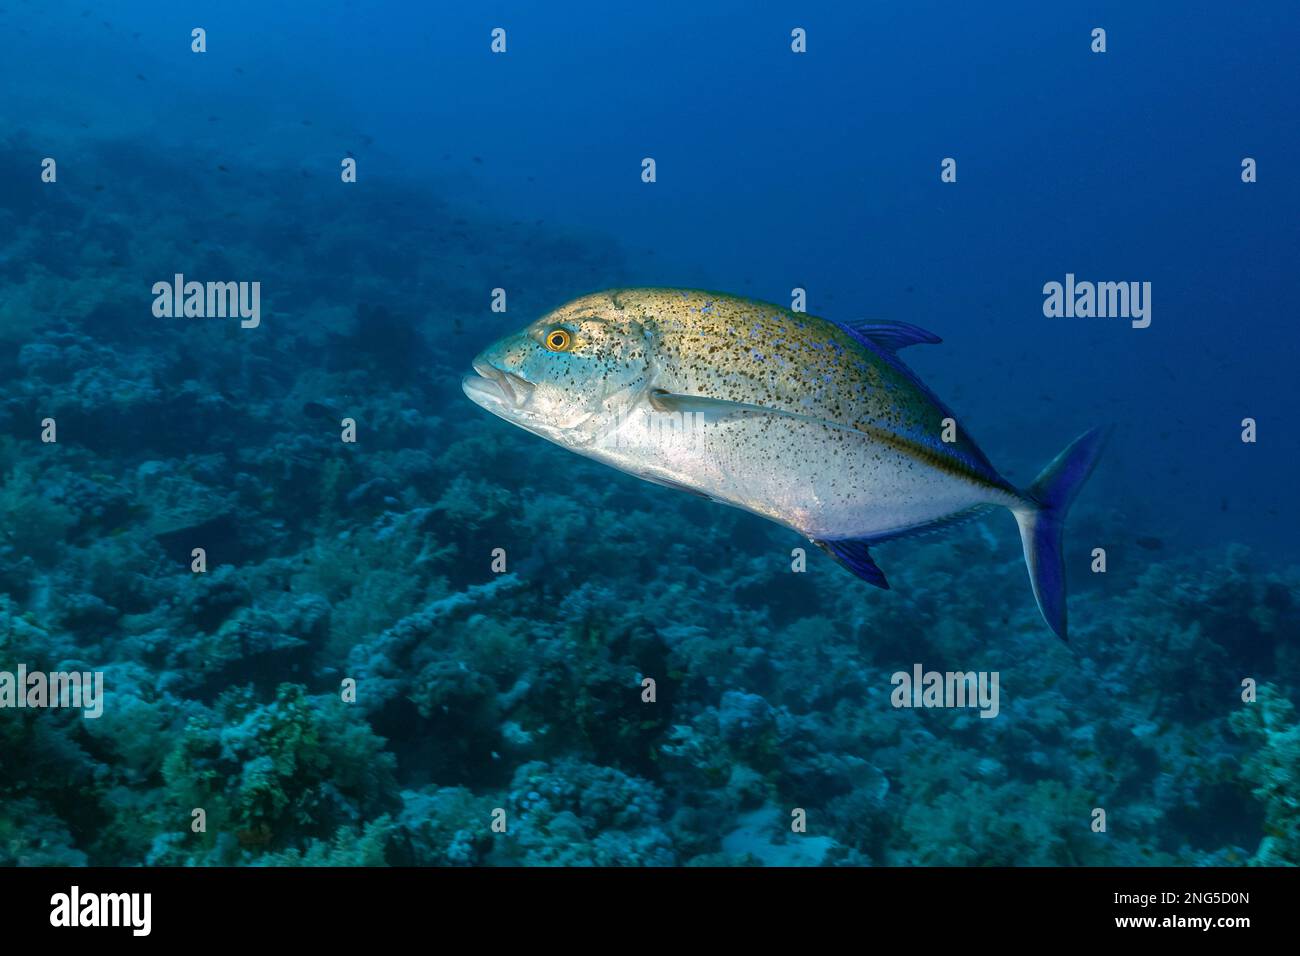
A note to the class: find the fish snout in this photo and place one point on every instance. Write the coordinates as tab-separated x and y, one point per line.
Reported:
494	385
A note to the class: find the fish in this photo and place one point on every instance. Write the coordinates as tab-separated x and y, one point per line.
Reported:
813	424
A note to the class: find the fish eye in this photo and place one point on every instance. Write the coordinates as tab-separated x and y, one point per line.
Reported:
559	340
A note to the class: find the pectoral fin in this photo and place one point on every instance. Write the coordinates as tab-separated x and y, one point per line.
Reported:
710	410
714	410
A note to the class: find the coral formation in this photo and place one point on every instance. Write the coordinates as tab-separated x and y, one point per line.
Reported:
500	715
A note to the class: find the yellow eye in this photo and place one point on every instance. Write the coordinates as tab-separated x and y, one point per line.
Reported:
559	340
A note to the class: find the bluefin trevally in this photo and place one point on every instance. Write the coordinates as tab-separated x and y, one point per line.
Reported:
813	424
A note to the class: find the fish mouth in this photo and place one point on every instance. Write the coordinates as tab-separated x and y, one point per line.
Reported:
492	387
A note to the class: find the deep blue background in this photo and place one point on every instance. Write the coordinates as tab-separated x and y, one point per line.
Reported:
820	171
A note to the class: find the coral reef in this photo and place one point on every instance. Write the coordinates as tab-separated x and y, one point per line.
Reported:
350	681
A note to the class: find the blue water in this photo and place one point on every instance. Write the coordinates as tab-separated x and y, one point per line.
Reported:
479	691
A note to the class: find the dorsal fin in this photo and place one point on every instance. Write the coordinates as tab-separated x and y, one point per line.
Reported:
891	336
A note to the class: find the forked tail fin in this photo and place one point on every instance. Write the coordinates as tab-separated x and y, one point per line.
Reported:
1042	521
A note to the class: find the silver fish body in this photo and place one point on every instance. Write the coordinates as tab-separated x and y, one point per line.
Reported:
812	424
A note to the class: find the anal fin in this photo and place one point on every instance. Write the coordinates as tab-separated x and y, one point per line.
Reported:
852	553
